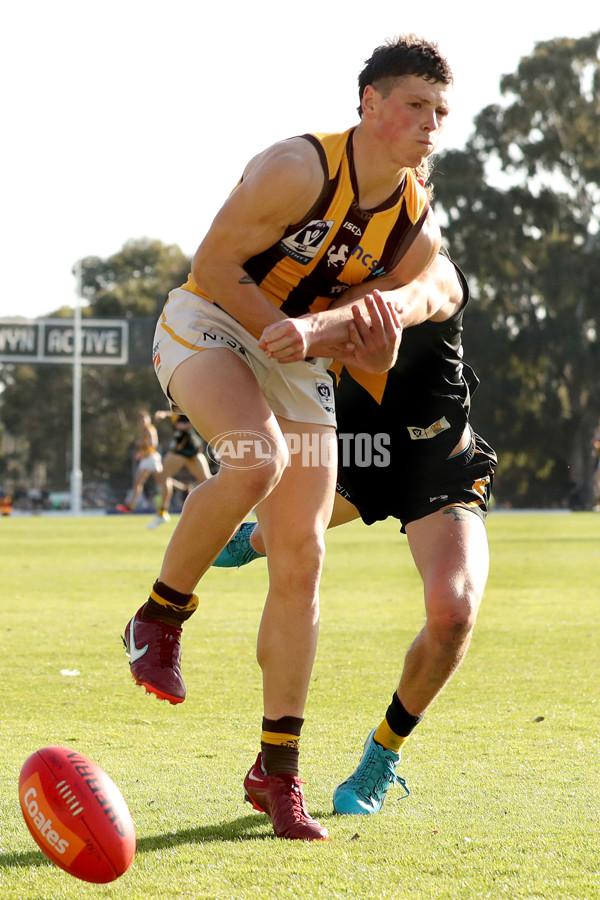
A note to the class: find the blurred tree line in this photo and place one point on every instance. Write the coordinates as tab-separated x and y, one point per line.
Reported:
520	210
36	404
521	214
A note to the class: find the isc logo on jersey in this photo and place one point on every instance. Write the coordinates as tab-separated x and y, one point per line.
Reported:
303	246
60	839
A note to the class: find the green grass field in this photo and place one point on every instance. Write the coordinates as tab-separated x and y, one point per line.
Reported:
504	769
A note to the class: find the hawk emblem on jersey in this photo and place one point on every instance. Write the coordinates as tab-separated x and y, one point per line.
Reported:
304	245
337	257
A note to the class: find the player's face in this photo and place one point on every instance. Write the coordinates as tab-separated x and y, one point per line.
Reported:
411	118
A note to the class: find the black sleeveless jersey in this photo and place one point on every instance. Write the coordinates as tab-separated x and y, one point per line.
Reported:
416	412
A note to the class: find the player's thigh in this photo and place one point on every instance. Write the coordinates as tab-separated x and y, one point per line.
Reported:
141	476
343	511
197	466
219	393
172	463
450	550
302	502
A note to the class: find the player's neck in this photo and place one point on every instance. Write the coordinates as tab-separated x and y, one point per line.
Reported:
377	175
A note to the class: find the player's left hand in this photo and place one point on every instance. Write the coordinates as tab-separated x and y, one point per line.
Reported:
285	341
288	340
375	344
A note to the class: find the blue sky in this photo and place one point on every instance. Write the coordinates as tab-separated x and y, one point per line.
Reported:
133	118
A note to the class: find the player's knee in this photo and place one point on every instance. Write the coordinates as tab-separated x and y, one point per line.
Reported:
452	620
312	549
254	485
256	477
297	557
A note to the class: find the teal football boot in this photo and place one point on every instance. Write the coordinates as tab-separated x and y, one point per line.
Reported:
363	793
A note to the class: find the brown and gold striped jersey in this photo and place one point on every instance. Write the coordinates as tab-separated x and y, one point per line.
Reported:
338	244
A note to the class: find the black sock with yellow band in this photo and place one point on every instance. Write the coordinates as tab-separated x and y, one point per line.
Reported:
279	745
396	727
168	605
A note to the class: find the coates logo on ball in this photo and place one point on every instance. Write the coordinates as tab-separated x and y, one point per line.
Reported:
76	814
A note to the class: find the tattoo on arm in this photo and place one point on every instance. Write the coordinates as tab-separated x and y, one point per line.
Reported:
247	279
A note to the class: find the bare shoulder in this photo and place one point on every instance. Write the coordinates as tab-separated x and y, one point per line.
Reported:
292	166
279	187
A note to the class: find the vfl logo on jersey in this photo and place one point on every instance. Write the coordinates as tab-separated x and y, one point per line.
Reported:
422	434
303	246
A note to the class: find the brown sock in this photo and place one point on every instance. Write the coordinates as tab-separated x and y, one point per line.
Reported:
279	745
167	605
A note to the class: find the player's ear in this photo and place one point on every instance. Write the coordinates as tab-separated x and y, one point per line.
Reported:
369	101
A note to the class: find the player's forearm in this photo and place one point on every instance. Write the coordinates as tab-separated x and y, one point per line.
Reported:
329	328
229	285
411	302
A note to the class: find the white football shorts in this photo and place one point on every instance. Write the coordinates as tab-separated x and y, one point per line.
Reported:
151	463
301	391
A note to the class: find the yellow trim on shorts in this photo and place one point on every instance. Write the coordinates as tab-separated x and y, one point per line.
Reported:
176	338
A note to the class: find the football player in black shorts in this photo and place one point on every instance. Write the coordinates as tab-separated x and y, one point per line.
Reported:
407	450
186	450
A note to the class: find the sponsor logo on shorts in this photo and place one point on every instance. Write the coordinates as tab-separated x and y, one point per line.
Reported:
216	339
417	433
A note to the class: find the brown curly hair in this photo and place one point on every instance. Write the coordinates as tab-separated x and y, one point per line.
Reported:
406	54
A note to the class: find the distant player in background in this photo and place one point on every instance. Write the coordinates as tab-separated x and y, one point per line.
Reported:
149	460
186	450
425	467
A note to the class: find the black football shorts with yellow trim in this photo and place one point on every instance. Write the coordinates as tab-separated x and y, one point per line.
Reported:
423	486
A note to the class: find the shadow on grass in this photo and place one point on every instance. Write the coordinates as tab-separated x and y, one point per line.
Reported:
31	859
245	828
253	827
